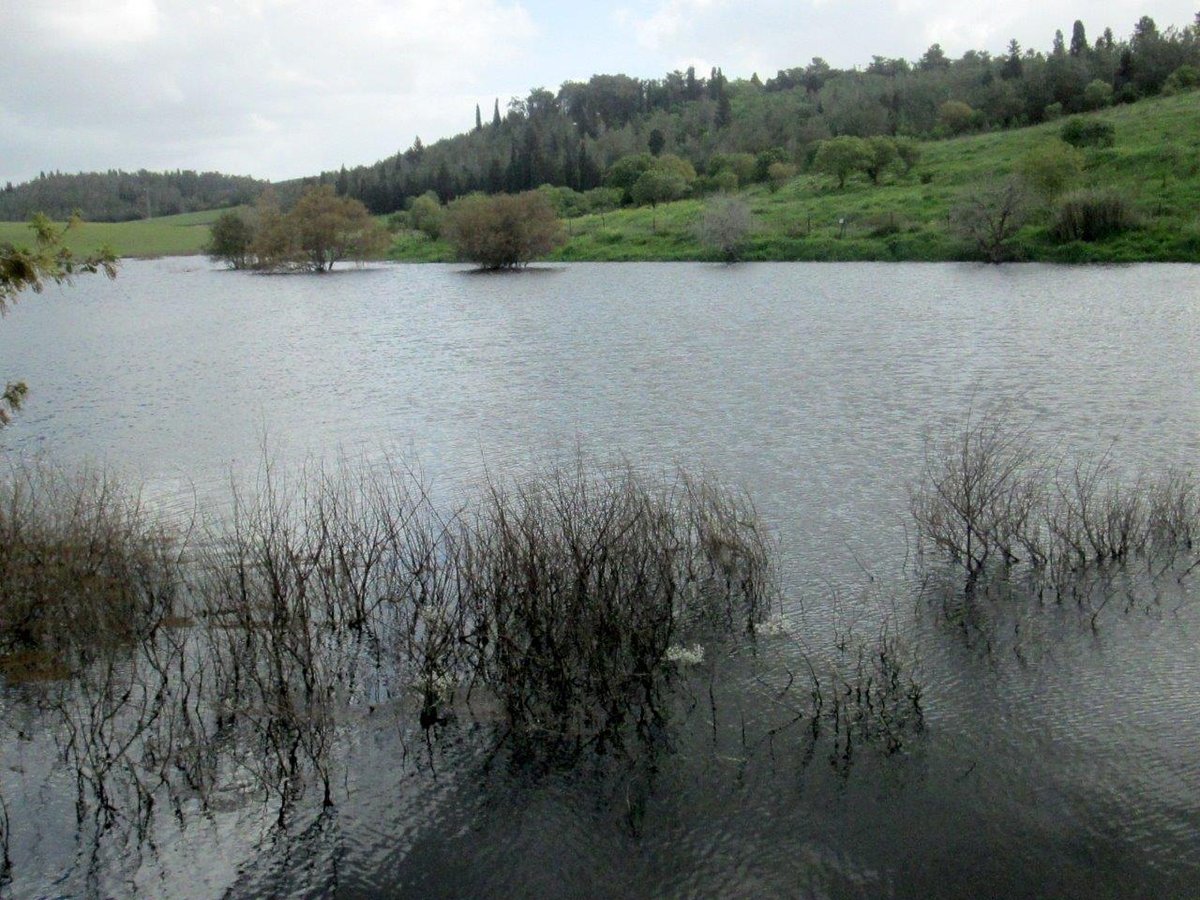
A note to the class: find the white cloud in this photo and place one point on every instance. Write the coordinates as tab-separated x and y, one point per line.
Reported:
275	87
771	34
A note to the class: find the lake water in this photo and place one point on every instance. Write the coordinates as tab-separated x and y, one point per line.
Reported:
1056	759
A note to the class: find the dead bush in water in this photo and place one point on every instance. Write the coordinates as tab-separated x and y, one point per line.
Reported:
978	493
578	582
558	597
82	565
990	502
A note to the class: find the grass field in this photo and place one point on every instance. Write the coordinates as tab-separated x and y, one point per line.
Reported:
181	235
1155	164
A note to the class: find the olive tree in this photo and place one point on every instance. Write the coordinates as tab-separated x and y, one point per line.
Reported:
841	157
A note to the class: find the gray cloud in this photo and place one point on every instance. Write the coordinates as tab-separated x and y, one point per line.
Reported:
273	88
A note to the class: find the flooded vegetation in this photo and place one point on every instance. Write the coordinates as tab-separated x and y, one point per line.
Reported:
817	621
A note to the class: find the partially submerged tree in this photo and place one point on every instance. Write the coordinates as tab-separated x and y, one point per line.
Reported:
320	230
230	237
724	226
30	268
504	231
330	228
990	217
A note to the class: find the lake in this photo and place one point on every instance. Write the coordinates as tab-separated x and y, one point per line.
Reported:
1058	754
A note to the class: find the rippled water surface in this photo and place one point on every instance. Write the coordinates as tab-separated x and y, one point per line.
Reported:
1060	757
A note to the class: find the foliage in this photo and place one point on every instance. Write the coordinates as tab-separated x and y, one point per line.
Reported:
426	215
1185	78
329	228
1097	95
989	217
29	268
725	225
625	172
1051	169
229	241
779	174
320	230
883	153
1079	132
656	186
742	165
908	151
842	157
1092	215
956	116
504	231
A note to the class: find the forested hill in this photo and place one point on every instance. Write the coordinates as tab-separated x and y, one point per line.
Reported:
116	196
572	138
719	126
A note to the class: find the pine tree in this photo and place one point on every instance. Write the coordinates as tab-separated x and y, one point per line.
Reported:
1012	68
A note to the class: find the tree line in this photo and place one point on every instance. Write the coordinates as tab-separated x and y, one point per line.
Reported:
573	138
117	196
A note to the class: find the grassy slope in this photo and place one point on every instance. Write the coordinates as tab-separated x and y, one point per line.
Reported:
1156	162
180	235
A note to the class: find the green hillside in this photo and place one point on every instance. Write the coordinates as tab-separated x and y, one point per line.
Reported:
181	235
1155	162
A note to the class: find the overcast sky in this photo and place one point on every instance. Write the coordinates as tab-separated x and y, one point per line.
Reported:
283	88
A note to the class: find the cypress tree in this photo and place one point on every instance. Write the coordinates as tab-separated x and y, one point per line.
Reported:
496	113
1079	44
478	119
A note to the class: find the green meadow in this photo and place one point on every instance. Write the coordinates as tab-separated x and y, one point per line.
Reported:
181	235
1155	164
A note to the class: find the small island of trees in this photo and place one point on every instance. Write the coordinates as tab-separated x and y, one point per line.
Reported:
320	230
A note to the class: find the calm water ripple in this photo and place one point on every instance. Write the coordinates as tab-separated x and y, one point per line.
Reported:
1058	760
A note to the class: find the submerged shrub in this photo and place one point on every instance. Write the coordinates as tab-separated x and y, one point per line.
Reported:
82	565
580	582
989	501
559	596
504	231
1092	215
725	225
